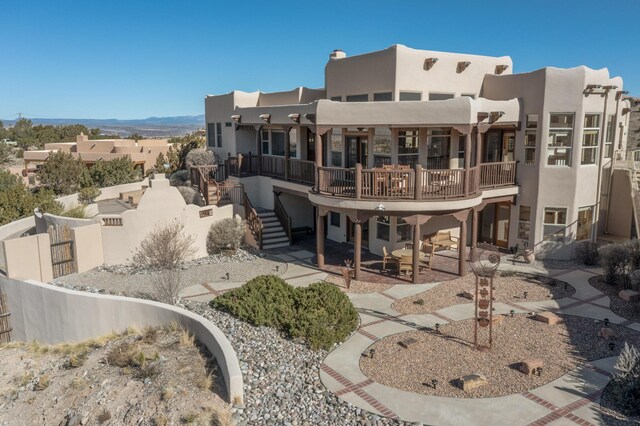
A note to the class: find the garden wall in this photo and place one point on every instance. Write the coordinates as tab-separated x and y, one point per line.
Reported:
52	315
28	257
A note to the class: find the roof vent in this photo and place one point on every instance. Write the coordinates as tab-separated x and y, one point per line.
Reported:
337	54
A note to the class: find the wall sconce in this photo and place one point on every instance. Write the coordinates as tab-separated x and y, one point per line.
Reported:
265	117
294	117
237	118
462	65
501	68
380	208
310	117
495	115
429	63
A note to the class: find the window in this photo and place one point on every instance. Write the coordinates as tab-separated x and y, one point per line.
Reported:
336	147
293	143
555	221
334	219
277	143
219	134
524	223
227	124
264	138
590	139
336	98
530	136
408	147
440	96
438	148
608	140
560	140
382	228
211	135
403	230
381	146
382	97
585	223
410	96
357	98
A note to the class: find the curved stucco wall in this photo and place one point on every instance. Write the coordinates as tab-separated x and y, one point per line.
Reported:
53	315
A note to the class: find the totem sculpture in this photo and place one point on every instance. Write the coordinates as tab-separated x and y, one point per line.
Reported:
484	267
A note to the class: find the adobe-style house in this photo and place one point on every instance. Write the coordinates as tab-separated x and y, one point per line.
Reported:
402	143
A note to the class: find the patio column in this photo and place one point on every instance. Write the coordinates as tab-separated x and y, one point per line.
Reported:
319	238
462	241
287	151
478	149
318	159
357	253
467	164
474	235
416	253
259	148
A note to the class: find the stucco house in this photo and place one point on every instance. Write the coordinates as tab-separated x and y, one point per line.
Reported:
402	143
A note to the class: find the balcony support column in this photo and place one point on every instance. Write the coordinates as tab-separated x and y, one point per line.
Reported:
416	221
320	237
467	164
259	148
287	151
357	253
474	235
462	241
319	137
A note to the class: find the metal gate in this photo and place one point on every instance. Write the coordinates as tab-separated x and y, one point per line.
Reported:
62	251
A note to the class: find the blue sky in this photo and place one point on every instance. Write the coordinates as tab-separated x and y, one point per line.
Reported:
134	59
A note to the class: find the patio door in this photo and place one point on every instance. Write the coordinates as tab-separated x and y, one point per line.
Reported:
493	146
501	228
356	147
508	146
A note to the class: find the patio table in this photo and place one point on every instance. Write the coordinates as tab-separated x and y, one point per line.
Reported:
406	252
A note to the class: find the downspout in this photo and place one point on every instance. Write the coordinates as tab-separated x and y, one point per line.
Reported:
614	126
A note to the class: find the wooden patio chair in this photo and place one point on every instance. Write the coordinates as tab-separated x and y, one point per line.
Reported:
404	167
406	264
408	246
444	239
429	251
388	258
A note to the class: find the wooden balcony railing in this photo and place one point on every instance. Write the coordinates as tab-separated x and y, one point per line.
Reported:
275	166
418	183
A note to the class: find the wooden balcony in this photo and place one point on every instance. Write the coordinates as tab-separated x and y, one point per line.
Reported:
274	166
413	184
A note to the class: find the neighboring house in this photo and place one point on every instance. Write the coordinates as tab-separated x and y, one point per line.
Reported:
142	152
448	141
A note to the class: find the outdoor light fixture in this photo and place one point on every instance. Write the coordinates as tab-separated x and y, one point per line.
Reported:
434	382
539	371
437	327
380	207
501	68
294	117
372	352
237	118
606	322
462	65
495	116
265	117
525	294
429	63
277	268
612	346
512	313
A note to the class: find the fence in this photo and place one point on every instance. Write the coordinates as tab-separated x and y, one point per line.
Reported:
62	250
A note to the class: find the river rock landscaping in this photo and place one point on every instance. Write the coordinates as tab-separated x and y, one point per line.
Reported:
628	310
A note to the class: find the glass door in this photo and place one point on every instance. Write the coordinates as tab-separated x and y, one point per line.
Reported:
494	146
508	146
503	212
356	151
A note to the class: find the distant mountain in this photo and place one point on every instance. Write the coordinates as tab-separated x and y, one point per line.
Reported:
184	120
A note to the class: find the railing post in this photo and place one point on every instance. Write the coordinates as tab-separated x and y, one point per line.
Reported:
358	181
419	183
287	152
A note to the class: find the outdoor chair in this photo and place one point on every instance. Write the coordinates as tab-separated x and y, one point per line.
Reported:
429	251
444	239
406	264
408	246
388	258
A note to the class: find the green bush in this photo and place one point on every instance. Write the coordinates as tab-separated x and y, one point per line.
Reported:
625	385
88	195
63	174
614	259
225	235
180	178
190	195
320	314
77	212
118	171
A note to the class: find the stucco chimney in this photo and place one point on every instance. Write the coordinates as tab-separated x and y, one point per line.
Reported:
337	54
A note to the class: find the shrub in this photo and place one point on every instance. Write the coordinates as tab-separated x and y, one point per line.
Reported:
63	174
265	300
190	195
224	235
17	201
320	314
634	280
587	253
168	286
88	195
614	259
625	385
77	212
324	315
634	253
200	157
114	172
166	247
180	178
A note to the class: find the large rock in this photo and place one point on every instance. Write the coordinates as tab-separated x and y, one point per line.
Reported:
529	366
548	318
472	381
629	295
467	295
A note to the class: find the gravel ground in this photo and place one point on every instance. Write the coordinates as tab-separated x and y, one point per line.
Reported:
509	287
282	382
124	280
357	287
449	355
630	311
610	415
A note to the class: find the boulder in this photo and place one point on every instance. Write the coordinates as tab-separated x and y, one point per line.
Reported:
472	381
467	295
548	318
407	342
629	295
529	366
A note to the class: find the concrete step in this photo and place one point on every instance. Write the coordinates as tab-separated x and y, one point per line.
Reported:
275	239
273	231
268	246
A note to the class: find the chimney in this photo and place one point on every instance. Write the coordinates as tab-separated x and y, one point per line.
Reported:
337	54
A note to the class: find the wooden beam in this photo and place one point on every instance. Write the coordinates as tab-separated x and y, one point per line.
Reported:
357	253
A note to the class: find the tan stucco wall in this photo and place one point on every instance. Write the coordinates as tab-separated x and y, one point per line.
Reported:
52	315
621	214
29	258
88	247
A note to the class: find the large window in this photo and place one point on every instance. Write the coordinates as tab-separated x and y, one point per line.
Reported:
585	223
403	230
530	136
608	140
219	134
555	222
382	228
590	139
382	97
264	140
408	147
560	139
277	143
357	98
211	135
524	223
410	96
381	146
438	148
334	219
440	96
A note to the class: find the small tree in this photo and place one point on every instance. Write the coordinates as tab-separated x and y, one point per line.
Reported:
5	153
225	235
614	259
166	247
168	286
63	174
88	195
114	172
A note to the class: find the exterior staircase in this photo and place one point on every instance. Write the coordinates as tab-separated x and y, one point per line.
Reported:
273	233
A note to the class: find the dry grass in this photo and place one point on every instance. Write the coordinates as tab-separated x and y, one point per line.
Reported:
43	382
186	338
122	355
104	416
219	418
205	382
167	393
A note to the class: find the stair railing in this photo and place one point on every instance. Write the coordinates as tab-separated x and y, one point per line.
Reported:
283	217
253	220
